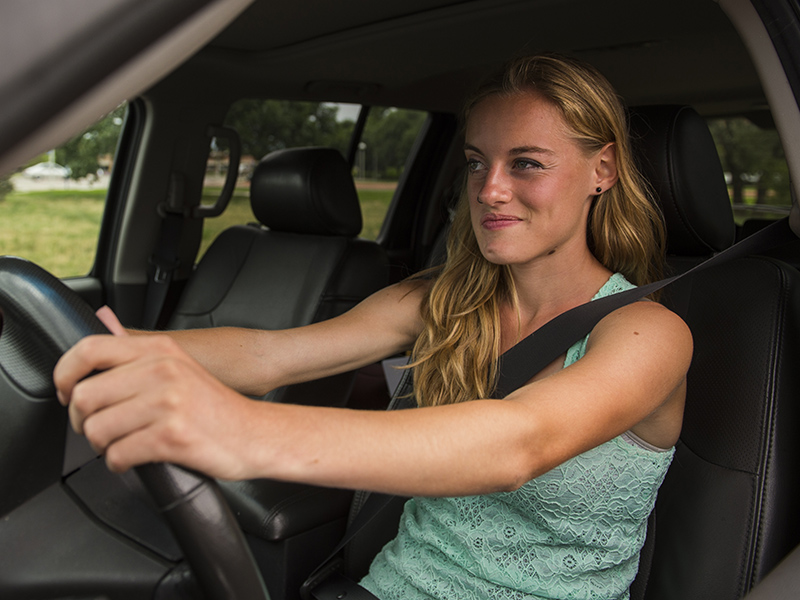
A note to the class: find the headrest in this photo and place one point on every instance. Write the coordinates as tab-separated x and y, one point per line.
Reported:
677	155
306	190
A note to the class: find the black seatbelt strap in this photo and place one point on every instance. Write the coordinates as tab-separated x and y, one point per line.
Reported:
327	582
163	264
516	367
554	338
165	259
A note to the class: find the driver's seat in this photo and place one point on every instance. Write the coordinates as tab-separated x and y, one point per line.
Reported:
729	508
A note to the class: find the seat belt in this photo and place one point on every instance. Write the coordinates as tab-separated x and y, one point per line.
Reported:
165	259
516	367
163	264
554	338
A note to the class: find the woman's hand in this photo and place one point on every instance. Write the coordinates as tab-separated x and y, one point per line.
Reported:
142	399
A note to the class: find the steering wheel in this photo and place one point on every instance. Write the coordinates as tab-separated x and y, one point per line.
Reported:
41	319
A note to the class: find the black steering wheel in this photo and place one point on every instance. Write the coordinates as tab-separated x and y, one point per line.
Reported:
42	318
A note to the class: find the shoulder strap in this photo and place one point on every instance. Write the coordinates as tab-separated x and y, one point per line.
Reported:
163	264
165	258
554	338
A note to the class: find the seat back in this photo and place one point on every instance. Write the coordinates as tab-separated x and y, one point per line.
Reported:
302	263
727	511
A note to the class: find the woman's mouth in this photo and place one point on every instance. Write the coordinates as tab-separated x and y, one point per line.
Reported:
493	222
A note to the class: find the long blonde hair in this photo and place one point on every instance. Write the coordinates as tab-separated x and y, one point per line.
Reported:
455	357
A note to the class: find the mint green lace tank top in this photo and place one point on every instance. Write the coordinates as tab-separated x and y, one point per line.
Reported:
574	532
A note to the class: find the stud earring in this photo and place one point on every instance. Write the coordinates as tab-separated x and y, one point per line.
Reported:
599	190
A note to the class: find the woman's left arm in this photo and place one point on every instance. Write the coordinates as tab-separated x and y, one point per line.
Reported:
634	368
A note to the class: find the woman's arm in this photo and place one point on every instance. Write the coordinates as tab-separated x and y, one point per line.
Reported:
254	361
633	370
166	407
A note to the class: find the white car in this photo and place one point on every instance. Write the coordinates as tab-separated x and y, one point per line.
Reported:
47	169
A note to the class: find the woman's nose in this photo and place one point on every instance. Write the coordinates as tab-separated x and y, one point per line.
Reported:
495	188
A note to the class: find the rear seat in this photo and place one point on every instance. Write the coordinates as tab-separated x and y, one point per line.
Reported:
302	263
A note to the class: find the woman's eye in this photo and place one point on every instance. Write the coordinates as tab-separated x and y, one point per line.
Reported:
526	163
473	165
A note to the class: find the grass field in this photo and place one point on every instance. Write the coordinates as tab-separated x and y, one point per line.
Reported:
58	229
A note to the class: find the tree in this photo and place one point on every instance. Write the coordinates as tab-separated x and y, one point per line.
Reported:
389	135
268	125
83	152
751	154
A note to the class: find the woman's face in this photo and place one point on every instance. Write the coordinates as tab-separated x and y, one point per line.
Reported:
529	184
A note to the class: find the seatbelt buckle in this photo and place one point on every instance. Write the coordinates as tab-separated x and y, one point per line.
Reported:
163	269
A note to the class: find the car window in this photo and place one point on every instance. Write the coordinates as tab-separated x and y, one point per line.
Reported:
755	167
268	125
389	136
51	208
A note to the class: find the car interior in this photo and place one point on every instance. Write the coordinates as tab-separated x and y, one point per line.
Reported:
727	521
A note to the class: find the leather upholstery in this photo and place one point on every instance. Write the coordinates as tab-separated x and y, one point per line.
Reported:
306	190
678	157
302	264
277	510
727	512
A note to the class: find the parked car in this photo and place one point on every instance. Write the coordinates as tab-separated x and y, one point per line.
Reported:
46	169
728	516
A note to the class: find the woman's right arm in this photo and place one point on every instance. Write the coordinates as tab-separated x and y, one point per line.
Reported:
256	361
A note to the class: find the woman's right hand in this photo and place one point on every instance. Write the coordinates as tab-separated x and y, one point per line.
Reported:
141	399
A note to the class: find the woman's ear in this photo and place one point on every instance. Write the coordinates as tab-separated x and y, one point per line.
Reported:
606	167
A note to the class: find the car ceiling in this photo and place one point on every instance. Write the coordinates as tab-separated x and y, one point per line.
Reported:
423	54
429	53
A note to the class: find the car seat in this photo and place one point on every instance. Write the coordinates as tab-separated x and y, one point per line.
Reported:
302	262
727	512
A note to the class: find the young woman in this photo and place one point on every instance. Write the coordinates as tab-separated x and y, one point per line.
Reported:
542	494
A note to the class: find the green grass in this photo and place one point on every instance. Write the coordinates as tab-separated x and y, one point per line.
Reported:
374	204
58	229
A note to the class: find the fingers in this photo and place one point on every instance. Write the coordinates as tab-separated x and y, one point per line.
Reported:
77	364
99	353
109	430
143	399
121	369
110	320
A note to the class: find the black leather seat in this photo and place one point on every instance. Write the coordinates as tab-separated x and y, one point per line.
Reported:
728	510
301	264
